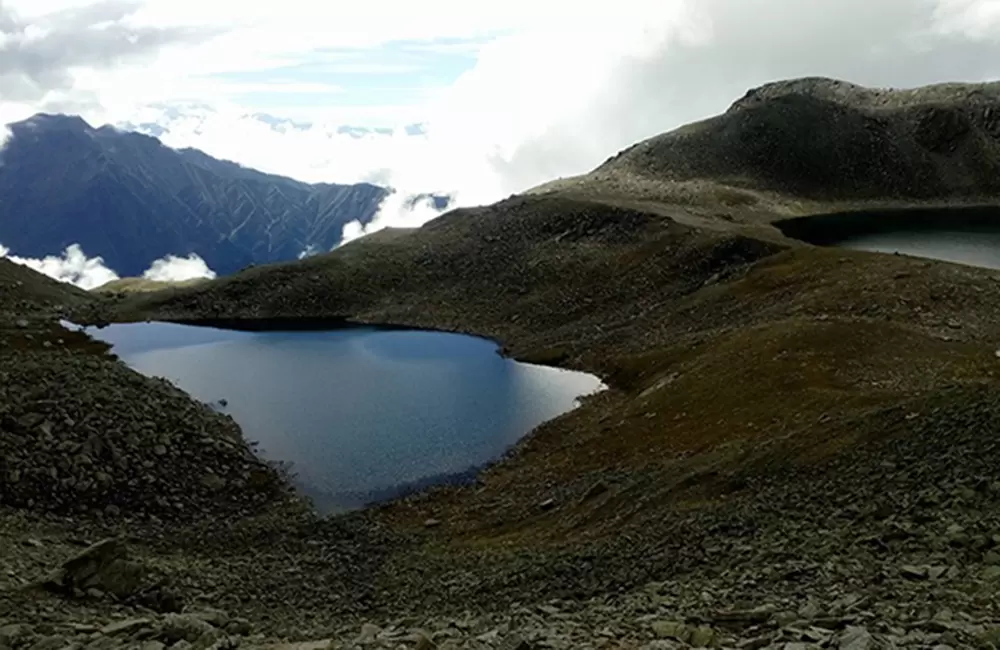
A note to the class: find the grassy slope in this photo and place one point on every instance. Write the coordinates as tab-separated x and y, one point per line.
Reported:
133	285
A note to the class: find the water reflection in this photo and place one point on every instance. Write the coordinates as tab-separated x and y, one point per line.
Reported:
358	412
972	247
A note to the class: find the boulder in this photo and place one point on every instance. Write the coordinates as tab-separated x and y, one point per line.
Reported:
672	630
103	566
14	633
125	627
185	627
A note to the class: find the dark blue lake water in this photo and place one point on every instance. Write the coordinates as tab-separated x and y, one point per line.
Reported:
361	414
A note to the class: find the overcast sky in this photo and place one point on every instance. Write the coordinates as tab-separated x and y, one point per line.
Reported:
510	94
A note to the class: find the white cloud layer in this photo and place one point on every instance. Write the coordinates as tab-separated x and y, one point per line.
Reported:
74	267
556	88
556	97
397	210
178	269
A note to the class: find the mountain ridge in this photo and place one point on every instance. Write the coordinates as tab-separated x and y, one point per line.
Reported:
130	199
826	139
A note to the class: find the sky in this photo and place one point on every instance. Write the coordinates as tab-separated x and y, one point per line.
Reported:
478	100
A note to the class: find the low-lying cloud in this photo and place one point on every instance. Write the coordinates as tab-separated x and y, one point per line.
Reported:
309	251
75	267
397	210
178	269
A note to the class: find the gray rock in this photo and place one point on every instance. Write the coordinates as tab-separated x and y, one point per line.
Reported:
14	633
515	642
424	642
102	643
672	630
214	617
239	627
210	640
53	642
912	572
183	627
369	632
855	638
702	637
125	627
989	638
103	566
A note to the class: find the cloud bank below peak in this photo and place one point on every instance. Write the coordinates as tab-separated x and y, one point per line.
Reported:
178	269
74	267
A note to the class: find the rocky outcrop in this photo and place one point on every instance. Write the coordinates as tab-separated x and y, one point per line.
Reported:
103	567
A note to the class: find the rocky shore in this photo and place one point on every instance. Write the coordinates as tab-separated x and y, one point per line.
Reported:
67	447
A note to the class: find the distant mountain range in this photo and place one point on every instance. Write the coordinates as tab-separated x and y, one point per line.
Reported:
130	199
162	120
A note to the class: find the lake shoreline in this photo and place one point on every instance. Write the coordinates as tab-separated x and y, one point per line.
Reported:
296	371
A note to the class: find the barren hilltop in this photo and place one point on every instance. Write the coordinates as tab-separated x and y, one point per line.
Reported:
798	448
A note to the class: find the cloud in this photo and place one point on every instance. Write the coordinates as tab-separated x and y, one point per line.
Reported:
309	251
397	210
556	95
310	151
73	266
557	100
41	55
555	88
178	269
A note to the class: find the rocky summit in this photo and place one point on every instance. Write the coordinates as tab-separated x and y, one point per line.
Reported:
797	449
